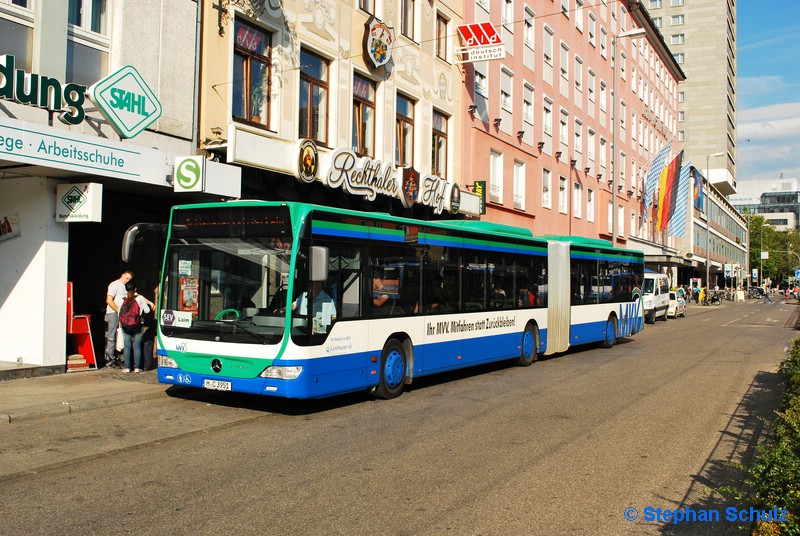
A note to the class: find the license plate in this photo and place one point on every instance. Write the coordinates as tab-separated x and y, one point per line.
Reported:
217	385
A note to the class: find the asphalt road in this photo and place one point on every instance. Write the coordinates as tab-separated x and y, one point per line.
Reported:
562	447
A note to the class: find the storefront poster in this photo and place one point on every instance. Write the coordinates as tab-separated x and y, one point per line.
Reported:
189	293
9	226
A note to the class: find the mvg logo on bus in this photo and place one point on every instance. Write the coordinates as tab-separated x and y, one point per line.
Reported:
631	319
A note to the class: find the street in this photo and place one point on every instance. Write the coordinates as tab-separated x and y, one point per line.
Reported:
562	447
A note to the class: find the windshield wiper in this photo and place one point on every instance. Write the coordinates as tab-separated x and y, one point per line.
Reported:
238	325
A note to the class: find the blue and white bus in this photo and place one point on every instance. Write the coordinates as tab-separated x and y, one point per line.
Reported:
302	301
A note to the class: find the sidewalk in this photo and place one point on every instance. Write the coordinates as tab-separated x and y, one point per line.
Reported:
62	394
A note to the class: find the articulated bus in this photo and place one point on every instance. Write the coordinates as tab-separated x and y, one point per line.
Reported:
302	301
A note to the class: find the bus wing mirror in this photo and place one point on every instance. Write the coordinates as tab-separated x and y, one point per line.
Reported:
133	231
319	263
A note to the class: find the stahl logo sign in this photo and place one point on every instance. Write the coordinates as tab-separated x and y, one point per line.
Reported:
125	99
73	199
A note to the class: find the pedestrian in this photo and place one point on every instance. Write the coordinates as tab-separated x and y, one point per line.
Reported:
132	307
116	289
767	297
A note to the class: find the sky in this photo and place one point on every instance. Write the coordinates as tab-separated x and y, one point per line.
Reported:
768	104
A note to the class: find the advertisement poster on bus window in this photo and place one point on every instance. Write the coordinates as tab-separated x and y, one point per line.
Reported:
189	292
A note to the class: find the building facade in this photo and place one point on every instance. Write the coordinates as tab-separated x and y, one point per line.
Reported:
341	103
59	153
778	201
702	36
351	103
540	126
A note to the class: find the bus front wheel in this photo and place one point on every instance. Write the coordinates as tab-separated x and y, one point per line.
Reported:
530	345
393	370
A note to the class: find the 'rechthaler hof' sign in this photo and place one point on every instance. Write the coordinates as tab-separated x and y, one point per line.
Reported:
368	178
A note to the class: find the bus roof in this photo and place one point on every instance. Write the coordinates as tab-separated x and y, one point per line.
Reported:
580	240
476	226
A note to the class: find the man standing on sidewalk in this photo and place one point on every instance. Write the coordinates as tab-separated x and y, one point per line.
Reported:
116	289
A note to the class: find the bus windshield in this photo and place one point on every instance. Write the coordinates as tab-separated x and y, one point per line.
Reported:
226	275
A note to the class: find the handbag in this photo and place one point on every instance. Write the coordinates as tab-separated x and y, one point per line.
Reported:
120	340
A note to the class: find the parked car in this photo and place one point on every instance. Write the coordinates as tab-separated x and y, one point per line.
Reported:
654	293
677	305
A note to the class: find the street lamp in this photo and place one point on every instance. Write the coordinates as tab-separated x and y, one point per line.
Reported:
708	219
638	32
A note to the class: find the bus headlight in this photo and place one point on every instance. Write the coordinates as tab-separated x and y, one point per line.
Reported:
166	361
282	373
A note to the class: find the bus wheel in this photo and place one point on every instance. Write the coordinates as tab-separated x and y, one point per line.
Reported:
530	344
393	370
611	332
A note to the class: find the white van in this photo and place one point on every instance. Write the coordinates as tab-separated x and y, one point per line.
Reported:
655	294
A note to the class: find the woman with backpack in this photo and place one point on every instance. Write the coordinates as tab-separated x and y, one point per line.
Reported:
131	307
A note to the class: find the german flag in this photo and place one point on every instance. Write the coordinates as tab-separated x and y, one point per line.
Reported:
668	191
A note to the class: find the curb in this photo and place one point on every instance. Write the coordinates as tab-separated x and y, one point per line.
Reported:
86	404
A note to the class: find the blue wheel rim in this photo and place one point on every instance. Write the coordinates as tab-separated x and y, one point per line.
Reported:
527	344
394	369
610	332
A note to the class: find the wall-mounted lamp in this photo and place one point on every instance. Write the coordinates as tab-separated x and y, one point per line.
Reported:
599	176
558	154
587	170
472	108
573	162
619	188
540	145
216	131
630	192
520	133
497	121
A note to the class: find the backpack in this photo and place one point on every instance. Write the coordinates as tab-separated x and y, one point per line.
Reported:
130	316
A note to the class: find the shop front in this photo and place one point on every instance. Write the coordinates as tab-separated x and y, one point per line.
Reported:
69	189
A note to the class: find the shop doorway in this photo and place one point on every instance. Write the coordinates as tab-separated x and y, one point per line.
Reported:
95	256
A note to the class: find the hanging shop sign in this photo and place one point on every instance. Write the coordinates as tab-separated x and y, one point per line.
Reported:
40	145
368	179
41	91
433	193
378	42
81	202
126	101
481	43
190	174
479	189
307	161
409	186
124	98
